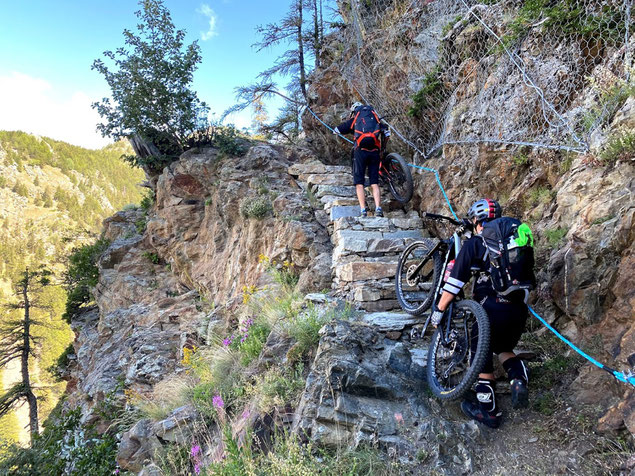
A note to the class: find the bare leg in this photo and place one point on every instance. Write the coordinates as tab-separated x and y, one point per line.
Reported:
376	195
487	376
359	188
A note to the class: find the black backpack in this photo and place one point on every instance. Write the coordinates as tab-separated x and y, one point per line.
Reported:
367	129
511	255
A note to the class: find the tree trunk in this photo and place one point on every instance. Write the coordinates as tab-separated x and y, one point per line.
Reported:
26	381
316	34
301	52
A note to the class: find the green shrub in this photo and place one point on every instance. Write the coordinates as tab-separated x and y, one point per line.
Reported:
140	224
81	275
57	369
147	201
21	189
608	103
620	146
152	257
258	207
429	95
227	141
64	447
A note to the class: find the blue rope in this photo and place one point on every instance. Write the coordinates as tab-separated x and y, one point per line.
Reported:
436	174
327	126
618	375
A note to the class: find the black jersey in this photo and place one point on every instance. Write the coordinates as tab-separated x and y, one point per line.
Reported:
472	257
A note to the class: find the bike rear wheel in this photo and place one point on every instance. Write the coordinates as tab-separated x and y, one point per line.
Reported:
454	366
399	177
417	276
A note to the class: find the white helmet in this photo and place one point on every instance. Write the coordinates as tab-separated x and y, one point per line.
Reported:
355	105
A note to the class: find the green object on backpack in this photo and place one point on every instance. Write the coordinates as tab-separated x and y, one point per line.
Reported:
524	236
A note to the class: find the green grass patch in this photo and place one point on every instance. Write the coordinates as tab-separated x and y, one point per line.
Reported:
555	235
567	18
539	196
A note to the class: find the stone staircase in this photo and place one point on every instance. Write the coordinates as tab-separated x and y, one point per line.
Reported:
365	250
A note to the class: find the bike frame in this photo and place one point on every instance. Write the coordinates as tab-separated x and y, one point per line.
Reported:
453	246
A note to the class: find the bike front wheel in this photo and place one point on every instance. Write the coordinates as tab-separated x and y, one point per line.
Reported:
456	357
399	178
418	273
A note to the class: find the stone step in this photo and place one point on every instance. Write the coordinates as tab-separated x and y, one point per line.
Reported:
362	271
326	179
375	241
337	190
391	321
317	168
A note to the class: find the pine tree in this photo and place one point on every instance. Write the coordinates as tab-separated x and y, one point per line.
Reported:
288	30
18	342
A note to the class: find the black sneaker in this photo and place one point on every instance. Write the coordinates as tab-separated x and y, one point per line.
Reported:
379	212
474	411
520	393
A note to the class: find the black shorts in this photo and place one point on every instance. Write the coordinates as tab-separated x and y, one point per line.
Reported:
363	160
507	323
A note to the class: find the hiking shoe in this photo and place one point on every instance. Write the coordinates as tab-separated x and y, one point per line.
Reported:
363	213
473	410
519	393
379	212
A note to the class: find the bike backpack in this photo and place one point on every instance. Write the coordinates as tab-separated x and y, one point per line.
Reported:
510	252
367	129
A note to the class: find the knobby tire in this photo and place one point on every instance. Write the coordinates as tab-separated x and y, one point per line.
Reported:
409	259
399	178
454	391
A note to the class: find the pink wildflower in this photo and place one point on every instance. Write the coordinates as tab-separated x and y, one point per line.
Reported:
196	449
197	468
227	341
217	401
399	417
246	414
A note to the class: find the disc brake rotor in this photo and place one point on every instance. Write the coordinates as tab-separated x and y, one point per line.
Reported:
412	281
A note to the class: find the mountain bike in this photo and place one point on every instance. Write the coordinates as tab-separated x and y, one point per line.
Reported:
460	343
394	173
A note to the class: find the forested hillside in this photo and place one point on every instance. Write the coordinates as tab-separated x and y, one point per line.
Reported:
53	196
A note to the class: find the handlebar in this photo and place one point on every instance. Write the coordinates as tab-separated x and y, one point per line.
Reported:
434	216
464	224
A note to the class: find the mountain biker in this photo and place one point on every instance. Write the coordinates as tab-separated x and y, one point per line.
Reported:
367	127
507	317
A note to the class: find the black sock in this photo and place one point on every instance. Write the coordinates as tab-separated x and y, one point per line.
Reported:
516	369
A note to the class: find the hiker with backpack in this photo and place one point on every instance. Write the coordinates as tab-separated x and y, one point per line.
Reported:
501	250
368	129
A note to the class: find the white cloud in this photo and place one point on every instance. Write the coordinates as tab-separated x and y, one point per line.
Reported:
213	18
31	105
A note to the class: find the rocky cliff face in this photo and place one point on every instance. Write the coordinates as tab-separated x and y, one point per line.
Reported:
177	284
169	286
579	206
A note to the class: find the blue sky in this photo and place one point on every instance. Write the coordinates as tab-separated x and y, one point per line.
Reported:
47	48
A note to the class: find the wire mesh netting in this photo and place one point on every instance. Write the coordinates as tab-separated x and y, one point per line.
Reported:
511	72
